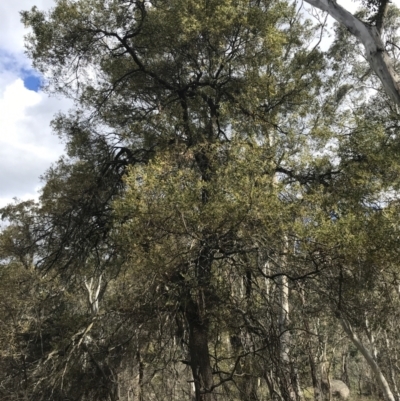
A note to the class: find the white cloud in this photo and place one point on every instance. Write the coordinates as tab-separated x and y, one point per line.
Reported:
349	5
27	146
11	30
353	6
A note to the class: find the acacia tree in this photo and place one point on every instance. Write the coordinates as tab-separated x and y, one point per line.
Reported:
152	77
193	189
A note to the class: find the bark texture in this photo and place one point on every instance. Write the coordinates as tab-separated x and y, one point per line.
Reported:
369	36
199	356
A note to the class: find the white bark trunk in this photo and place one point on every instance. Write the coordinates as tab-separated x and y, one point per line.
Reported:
93	294
390	352
285	336
284	320
387	392
375	52
371	339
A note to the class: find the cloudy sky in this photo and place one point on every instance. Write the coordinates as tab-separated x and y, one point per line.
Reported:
27	146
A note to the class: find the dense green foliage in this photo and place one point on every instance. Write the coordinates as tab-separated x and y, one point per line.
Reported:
224	224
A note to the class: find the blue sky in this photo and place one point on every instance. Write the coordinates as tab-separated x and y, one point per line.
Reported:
32	81
18	64
27	146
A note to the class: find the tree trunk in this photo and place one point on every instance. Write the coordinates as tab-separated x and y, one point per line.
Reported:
141	376
384	385
369	36
288	379
393	378
196	307
345	372
311	361
199	355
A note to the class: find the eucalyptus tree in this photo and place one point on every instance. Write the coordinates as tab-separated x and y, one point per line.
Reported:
370	34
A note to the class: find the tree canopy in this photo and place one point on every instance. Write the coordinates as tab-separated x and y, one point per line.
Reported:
224	222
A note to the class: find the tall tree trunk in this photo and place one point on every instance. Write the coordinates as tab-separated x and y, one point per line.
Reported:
199	354
197	310
287	379
345	372
310	354
249	387
325	376
392	355
140	376
247	384
313	372
384	385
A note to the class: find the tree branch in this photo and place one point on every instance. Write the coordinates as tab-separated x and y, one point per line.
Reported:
369	36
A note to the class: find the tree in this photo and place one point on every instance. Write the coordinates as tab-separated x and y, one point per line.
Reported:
371	38
169	77
208	205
